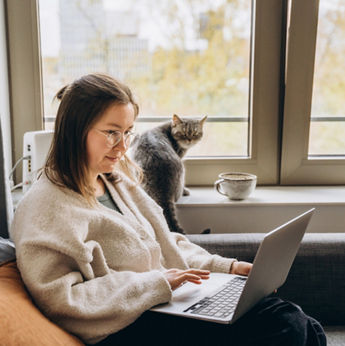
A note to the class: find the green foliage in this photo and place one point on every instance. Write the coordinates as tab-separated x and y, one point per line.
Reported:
211	80
329	80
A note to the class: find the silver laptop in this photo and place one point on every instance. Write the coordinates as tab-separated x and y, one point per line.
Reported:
224	298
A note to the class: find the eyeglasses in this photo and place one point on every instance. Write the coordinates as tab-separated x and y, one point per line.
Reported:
115	137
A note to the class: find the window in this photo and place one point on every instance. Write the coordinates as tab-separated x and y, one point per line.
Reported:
189	57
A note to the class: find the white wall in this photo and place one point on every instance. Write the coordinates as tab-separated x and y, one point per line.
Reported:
4	91
256	219
267	208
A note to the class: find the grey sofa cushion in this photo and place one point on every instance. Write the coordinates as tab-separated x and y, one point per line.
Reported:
316	280
335	335
7	250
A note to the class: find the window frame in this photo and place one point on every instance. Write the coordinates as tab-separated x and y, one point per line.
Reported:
24	73
297	168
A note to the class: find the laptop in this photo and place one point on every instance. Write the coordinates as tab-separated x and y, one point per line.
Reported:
224	298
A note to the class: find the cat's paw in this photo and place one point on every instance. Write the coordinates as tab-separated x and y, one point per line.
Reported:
179	230
186	192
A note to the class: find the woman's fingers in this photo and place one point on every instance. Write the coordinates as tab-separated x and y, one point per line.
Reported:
193	277
177	277
203	274
188	277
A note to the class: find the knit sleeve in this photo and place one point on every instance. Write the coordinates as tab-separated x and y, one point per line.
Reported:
197	257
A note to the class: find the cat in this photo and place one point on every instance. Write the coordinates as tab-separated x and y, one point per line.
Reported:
159	153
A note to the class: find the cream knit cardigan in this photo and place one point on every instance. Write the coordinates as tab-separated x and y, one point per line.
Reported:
92	270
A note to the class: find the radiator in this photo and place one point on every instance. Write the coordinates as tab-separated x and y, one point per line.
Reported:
36	146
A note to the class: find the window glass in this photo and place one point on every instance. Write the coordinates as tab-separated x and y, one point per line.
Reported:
328	105
189	57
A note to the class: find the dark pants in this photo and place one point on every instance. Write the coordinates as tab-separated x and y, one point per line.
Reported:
271	322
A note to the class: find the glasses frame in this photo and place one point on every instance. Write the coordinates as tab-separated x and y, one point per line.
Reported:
114	137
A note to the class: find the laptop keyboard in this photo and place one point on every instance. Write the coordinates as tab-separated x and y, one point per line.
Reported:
221	304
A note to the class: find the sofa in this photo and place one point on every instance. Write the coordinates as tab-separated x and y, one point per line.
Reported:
316	281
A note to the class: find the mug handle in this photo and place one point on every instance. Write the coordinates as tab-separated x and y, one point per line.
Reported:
217	185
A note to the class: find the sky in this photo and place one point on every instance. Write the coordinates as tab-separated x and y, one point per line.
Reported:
49	23
49	27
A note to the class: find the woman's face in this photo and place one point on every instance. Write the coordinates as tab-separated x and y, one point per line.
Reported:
102	156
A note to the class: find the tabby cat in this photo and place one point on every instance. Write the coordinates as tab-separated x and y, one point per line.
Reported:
159	153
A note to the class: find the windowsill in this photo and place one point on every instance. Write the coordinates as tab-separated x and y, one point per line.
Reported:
268	196
262	196
267	208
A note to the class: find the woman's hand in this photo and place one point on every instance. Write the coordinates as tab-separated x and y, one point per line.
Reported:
240	268
177	277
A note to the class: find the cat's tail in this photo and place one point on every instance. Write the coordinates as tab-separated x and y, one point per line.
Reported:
169	210
206	231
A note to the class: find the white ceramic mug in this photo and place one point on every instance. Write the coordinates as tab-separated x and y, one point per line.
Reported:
236	185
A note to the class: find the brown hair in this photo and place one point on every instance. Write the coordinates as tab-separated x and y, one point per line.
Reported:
82	103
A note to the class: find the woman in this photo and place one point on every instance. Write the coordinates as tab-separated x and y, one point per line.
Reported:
95	251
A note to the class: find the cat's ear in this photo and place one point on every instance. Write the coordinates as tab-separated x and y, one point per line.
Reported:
203	120
176	119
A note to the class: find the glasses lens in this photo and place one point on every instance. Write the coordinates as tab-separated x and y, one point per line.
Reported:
128	137
114	138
